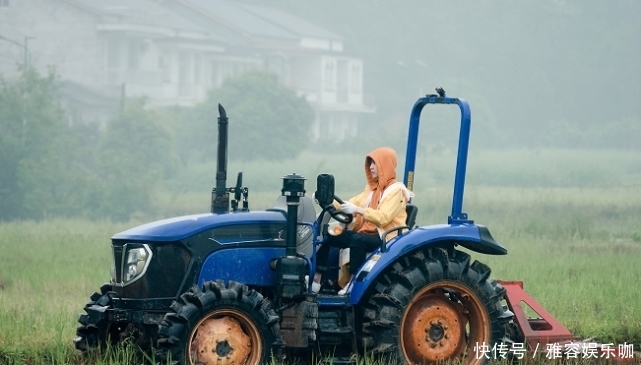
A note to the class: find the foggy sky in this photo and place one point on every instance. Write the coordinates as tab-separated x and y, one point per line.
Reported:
522	64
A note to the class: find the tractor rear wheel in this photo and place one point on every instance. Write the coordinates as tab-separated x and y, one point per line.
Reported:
219	325
431	307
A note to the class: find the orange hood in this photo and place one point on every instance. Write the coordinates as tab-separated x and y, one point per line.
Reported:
385	159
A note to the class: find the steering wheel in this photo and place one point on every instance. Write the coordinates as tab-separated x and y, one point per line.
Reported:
338	215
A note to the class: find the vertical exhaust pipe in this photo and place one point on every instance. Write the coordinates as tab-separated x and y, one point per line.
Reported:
220	196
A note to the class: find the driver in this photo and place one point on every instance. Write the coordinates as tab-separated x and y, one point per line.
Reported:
381	206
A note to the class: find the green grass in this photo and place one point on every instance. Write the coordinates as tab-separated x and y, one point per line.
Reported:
575	246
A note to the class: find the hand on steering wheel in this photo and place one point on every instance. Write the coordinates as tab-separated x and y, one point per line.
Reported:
350	208
340	215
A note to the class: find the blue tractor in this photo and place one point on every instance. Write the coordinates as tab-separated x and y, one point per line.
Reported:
234	286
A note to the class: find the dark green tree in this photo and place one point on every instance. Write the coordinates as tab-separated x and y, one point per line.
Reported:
39	175
134	154
267	120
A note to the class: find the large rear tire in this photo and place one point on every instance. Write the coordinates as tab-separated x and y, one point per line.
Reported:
219	325
431	307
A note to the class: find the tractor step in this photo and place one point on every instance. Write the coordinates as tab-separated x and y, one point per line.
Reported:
336	331
343	360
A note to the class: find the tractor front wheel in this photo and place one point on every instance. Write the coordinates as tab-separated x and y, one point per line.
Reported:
432	307
219	325
95	332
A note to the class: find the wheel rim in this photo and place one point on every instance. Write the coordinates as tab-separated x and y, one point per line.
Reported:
225	336
444	321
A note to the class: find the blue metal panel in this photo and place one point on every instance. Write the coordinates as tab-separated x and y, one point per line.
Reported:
174	229
246	265
422	236
457	215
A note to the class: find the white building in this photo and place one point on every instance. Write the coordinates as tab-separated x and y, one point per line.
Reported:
174	51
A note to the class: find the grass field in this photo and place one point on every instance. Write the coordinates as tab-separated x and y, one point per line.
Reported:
576	248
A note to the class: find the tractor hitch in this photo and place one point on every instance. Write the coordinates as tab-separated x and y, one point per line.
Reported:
544	334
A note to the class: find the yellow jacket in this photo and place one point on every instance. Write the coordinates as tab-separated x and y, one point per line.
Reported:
388	211
391	209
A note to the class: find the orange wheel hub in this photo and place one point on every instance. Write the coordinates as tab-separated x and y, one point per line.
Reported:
434	330
225	340
439	325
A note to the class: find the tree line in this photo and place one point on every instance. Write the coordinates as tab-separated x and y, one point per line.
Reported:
52	168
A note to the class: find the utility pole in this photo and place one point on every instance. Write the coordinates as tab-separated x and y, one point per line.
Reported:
26	51
24	47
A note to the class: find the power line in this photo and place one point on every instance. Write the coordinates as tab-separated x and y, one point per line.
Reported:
24	46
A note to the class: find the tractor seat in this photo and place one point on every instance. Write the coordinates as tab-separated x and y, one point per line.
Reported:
410	223
410	220
411	210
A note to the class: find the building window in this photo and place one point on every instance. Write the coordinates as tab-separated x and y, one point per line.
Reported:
329	79
184	73
226	69
355	78
133	55
165	68
113	54
197	69
215	77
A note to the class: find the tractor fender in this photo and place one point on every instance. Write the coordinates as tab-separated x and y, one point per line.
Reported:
471	236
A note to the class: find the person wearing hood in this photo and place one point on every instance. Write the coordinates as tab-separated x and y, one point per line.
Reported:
380	207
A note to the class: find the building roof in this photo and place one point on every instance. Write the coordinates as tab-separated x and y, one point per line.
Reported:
238	18
140	12
294	24
251	24
222	20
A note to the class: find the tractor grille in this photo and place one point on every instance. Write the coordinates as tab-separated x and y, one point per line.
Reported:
164	275
117	254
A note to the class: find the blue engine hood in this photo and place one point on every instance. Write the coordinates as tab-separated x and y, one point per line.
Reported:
178	228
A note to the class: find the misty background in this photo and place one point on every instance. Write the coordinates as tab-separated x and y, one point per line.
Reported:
554	89
537	73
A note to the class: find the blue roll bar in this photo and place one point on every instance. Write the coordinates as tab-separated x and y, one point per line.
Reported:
457	216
